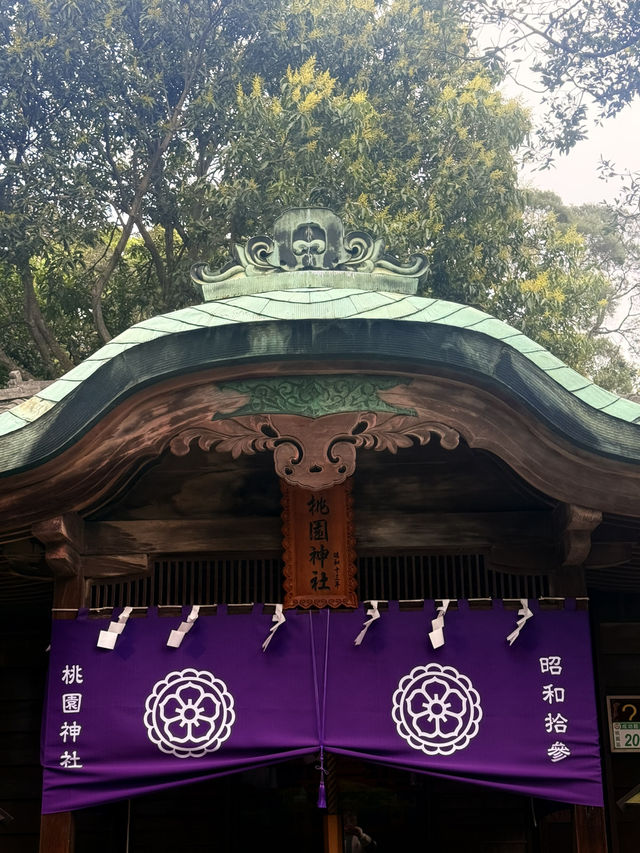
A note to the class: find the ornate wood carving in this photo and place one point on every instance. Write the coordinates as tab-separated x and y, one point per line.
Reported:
99	463
315	453
575	524
318	547
316	395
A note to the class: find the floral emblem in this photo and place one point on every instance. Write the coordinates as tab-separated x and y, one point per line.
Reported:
189	713
436	709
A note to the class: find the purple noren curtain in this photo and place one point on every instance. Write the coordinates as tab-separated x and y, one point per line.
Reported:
143	716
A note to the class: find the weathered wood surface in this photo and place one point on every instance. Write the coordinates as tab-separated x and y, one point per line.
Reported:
575	526
56	833
333	833
24	636
522	541
590	835
421	530
93	469
63	537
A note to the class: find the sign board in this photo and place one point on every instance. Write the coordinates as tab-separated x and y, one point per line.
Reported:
624	723
318	547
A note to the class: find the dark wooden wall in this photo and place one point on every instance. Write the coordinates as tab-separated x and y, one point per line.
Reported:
616	617
24	637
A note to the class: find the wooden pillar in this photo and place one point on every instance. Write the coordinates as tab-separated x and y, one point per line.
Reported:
333	833
589	830
57	833
575	525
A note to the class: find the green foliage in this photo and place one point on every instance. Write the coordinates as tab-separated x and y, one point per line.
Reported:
138	136
584	48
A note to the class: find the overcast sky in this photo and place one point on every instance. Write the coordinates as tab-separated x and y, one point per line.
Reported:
574	176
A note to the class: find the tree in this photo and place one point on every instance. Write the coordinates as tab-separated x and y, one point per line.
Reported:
94	99
570	276
178	128
585	51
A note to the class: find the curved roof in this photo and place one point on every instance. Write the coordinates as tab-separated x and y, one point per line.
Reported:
321	322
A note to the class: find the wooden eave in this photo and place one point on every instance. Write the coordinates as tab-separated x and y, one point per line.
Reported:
81	450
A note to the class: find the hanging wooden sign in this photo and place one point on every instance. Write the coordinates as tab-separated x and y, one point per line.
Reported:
318	547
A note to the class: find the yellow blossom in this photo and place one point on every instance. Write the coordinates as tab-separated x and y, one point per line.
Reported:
256	86
537	284
480	83
304	75
311	100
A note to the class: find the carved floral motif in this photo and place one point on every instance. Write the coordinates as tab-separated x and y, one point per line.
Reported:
315	395
315	453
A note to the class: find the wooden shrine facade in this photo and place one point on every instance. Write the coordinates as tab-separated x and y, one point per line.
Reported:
193	461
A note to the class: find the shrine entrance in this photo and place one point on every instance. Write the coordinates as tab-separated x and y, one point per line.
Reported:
274	809
320	513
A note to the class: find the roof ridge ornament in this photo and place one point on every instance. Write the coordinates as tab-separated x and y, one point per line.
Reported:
311	239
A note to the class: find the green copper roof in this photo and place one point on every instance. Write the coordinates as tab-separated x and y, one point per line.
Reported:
322	303
325	321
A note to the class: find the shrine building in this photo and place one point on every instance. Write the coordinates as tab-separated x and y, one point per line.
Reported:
320	559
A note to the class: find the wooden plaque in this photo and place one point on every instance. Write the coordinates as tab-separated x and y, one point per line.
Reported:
318	547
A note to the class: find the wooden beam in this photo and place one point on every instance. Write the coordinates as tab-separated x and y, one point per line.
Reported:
57	833
453	531
605	554
534	557
225	533
94	468
115	565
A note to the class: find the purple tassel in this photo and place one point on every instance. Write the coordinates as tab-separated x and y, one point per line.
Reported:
322	800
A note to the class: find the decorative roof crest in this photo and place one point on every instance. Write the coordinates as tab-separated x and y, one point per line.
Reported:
310	239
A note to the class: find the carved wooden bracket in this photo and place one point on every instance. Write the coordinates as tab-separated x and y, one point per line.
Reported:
68	557
63	538
314	453
575	524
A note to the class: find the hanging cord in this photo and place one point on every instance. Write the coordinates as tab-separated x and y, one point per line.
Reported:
320	709
128	825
